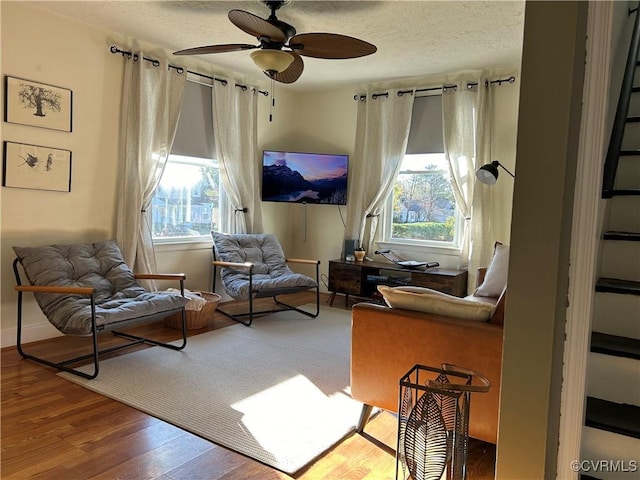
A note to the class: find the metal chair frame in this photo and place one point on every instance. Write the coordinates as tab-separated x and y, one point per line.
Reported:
274	293
95	328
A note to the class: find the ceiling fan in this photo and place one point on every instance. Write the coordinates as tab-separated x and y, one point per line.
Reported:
279	53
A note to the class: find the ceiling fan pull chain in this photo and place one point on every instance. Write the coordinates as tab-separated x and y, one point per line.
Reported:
273	100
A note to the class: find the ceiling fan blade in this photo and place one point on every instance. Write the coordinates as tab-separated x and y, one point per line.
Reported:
230	47
330	45
256	26
292	73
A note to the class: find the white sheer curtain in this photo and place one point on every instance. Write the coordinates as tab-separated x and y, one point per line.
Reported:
467	140
235	131
381	141
151	101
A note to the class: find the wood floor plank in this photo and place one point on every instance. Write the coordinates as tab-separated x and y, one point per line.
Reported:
40	460
254	471
155	460
212	465
54	429
149	432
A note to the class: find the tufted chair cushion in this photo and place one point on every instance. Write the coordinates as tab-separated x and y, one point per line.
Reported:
99	265
271	275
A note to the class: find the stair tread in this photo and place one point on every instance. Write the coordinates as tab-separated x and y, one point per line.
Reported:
615	345
635	191
616	285
620	418
619	235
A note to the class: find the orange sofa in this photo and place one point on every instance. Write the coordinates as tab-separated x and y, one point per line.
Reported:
387	342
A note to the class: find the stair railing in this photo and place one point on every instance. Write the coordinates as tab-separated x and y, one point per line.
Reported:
619	123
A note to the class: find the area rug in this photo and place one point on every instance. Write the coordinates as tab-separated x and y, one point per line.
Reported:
276	392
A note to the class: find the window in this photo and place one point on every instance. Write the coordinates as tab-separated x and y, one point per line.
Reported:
186	203
185	206
422	208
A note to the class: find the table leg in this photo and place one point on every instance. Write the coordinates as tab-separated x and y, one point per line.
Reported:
332	297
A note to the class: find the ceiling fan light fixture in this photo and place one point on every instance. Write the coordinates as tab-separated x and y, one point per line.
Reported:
269	60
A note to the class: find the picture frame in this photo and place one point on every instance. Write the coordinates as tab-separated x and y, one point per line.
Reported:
37	104
36	167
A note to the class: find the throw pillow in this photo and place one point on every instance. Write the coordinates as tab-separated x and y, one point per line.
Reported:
431	301
495	280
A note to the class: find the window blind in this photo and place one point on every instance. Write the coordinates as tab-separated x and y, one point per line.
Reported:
194	134
425	135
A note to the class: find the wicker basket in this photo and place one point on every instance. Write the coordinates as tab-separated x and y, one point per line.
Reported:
196	318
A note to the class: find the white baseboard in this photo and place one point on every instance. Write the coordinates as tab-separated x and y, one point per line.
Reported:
30	333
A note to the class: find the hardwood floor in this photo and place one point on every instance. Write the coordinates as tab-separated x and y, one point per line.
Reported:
55	429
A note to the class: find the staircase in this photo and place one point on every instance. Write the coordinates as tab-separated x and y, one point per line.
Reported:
612	424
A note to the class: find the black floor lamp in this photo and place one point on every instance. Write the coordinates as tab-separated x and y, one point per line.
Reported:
488	173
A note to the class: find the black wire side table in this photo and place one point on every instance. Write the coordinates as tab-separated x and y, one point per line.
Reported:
433	421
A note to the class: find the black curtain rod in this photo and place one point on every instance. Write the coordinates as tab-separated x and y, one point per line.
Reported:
156	63
363	97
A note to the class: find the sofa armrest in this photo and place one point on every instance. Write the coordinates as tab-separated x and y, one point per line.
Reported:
498	314
482	272
387	342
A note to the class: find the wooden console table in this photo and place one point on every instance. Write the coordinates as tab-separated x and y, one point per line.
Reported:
361	279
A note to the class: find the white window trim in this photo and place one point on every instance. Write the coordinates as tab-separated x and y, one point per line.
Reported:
189	244
416	246
181	240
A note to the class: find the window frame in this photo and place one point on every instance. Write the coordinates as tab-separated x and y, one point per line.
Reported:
413	244
188	239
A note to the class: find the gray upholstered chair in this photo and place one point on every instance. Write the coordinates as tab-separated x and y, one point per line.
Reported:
87	289
254	266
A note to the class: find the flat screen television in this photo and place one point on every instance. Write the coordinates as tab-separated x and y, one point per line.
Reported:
304	177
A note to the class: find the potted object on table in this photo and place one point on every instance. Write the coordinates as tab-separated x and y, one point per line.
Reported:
359	254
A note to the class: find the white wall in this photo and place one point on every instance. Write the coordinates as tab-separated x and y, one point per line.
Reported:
73	55
42	48
504	133
322	122
277	135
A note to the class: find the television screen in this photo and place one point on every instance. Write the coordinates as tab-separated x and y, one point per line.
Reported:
304	177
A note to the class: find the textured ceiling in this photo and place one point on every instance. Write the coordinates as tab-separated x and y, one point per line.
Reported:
414	38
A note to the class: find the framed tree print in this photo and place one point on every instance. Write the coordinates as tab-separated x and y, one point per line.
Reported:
36	167
37	104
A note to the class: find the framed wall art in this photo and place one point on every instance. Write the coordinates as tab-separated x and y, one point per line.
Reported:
36	167
37	104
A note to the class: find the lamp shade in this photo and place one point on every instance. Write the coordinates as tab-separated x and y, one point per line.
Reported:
488	174
269	60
